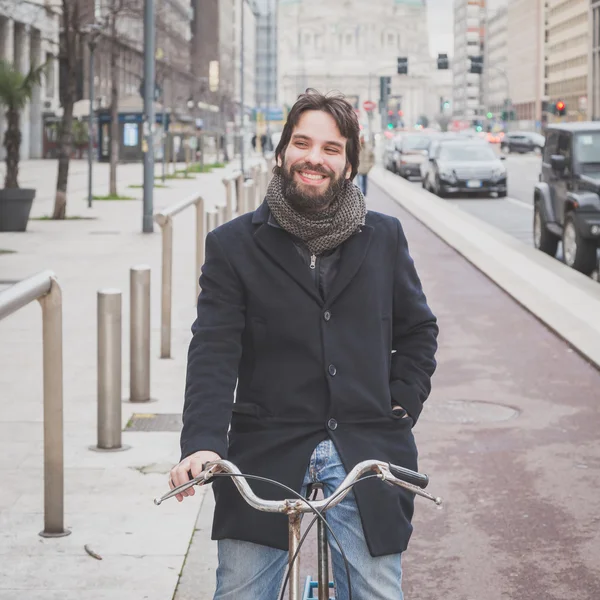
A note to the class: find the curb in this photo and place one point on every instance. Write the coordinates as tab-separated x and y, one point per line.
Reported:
566	301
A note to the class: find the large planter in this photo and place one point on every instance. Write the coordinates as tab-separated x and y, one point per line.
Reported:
15	206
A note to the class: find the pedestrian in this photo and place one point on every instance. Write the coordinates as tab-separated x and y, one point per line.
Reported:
263	143
311	310
253	141
366	160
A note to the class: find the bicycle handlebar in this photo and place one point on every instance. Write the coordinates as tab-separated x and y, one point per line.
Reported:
391	474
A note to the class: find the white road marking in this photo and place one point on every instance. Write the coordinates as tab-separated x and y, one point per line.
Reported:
520	203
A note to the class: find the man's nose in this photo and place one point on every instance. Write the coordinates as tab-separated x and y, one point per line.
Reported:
315	156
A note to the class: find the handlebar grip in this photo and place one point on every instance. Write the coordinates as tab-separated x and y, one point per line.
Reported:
419	479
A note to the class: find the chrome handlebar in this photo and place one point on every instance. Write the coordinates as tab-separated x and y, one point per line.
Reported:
410	480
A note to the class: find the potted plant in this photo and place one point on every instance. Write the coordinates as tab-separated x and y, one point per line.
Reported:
16	90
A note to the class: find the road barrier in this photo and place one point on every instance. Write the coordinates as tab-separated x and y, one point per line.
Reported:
44	288
164	218
139	334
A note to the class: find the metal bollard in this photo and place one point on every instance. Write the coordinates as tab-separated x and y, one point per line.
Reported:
200	239
109	370
52	334
239	198
211	217
139	334
228	199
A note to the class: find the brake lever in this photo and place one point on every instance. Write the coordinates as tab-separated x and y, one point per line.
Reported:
201	479
386	476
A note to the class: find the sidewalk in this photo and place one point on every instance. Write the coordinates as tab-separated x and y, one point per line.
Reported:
108	496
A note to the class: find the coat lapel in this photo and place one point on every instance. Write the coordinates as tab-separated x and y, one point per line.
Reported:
354	251
280	248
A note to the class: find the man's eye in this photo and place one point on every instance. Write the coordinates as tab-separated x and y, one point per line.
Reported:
301	144
332	150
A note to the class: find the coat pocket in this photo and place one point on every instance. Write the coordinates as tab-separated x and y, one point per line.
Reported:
247	409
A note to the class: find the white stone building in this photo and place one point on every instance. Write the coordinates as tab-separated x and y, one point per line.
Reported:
567	48
347	45
250	14
29	36
469	37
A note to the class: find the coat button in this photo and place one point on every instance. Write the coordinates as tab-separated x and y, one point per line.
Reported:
332	424
332	370
327	315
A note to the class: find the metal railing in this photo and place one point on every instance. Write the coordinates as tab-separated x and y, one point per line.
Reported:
44	288
164	218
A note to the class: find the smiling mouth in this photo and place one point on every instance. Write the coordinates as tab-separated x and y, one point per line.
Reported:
309	177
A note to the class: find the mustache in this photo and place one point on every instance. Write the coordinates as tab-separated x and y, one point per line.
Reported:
314	168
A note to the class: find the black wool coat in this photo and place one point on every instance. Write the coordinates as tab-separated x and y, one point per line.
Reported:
307	369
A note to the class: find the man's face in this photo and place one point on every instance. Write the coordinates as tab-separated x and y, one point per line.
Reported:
314	164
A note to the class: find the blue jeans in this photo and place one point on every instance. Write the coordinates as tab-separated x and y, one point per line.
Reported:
247	571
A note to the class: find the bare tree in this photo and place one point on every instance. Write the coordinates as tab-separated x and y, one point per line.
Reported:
70	53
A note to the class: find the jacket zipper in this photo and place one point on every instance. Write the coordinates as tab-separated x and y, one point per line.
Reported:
313	261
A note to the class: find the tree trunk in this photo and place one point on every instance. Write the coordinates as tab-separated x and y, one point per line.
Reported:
70	51
114	105
12	144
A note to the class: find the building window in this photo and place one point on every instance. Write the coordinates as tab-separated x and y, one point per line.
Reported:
391	40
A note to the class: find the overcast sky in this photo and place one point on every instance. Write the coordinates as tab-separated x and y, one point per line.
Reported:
441	23
440	26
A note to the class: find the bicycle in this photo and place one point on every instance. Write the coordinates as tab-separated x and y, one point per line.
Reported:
296	507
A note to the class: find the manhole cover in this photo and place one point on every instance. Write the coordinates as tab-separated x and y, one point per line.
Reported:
154	422
467	411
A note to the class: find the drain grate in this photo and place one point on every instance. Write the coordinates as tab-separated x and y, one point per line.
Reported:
154	422
468	411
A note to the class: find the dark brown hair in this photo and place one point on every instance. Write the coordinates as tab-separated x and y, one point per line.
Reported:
333	104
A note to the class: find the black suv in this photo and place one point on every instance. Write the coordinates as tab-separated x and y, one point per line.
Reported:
567	198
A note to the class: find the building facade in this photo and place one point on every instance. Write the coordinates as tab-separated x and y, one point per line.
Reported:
29	35
469	40
526	32
173	54
213	48
266	54
594	62
248	33
567	49
495	79
347	45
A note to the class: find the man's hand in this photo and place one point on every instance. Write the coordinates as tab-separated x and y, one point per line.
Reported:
193	463
399	410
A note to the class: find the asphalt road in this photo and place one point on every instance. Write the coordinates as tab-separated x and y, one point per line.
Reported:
513	214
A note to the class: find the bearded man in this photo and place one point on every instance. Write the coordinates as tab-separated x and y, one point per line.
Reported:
312	312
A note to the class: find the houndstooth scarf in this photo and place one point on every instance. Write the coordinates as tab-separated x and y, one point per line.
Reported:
324	230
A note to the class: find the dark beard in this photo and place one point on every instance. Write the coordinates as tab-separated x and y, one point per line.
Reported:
309	202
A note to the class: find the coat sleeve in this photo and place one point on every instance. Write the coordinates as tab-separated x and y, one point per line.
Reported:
214	355
414	336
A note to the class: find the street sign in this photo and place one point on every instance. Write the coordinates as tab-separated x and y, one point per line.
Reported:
369	105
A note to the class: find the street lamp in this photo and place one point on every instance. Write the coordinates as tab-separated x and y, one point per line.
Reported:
93	31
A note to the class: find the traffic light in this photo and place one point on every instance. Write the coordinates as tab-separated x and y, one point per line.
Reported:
442	62
402	65
385	89
561	108
489	115
476	64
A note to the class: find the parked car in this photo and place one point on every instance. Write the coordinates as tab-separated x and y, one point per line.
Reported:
434	141
390	153
412	151
466	166
567	198
522	141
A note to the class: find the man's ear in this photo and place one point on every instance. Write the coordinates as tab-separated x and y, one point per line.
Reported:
348	172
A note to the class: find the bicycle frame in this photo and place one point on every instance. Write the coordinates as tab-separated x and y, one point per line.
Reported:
295	508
